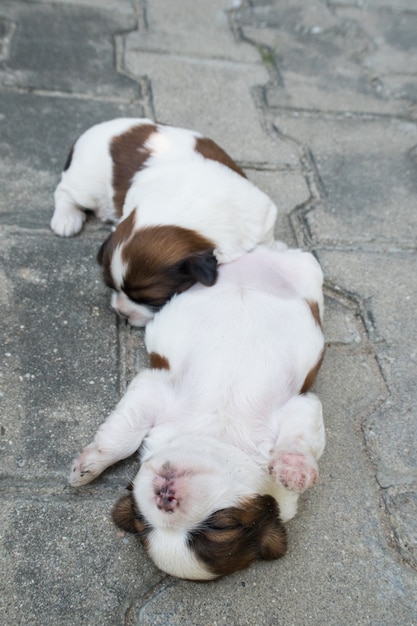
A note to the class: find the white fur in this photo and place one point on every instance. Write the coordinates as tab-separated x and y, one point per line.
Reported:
87	183
227	417
170	552
136	314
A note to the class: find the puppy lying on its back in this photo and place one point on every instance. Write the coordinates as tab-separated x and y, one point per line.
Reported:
231	436
181	204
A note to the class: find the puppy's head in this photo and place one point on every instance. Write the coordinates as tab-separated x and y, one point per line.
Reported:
199	516
145	267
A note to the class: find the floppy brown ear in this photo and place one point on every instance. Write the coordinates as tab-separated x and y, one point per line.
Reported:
105	249
262	513
201	267
127	516
123	514
104	257
273	543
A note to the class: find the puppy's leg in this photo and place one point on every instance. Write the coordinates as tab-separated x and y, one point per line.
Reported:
302	271
124	430
68	218
300	443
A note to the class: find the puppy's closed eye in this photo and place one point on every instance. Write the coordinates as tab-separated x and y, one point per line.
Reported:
233	538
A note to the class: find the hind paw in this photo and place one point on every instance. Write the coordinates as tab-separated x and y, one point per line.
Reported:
294	471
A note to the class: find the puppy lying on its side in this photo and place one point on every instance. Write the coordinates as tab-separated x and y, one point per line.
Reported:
181	205
231	436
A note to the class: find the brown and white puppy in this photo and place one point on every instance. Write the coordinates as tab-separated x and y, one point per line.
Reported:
229	434
181	205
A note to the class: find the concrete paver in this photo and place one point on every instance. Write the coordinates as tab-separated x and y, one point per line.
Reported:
317	101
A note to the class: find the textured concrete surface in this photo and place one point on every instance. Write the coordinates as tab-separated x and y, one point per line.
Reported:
317	101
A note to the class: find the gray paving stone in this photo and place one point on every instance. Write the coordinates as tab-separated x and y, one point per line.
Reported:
59	351
392	34
341	320
367	173
199	30
289	190
401	503
51	44
320	55
388	313
121	6
366	5
57	572
391	428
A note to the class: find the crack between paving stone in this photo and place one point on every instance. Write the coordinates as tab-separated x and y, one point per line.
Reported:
66	94
214	61
58	488
266	52
393	538
6	39
143	82
140	8
14	230
373	246
119	50
132	615
341	115
370	338
265	166
375	9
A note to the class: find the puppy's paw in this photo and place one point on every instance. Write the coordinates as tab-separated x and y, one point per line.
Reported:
67	222
294	471
86	467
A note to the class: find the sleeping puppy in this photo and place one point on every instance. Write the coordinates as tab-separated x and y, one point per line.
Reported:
181	205
230	437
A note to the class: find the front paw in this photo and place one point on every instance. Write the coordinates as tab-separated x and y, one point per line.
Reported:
294	471
86	467
67	222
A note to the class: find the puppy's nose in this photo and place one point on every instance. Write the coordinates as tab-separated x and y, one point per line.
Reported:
166	500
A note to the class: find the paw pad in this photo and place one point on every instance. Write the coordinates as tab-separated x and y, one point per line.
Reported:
296	472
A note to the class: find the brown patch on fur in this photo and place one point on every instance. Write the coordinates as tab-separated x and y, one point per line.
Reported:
315	311
160	261
129	155
232	538
312	375
127	517
210	150
158	362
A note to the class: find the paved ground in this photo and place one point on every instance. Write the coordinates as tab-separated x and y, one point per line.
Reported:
318	102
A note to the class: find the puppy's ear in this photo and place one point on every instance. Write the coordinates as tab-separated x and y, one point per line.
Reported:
123	514
127	516
105	250
201	267
104	258
273	535
273	541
